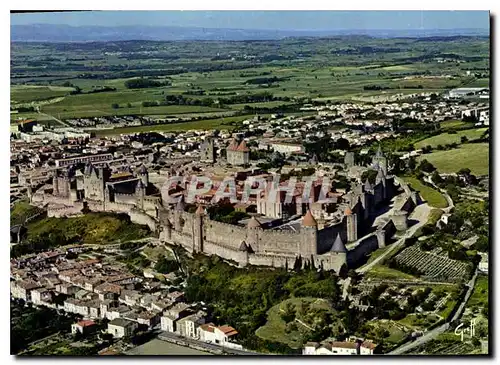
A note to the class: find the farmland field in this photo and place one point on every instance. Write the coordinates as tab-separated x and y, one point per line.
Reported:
447	138
26	93
453	124
474	156
311	69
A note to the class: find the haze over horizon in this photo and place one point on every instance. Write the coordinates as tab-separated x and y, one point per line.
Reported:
266	20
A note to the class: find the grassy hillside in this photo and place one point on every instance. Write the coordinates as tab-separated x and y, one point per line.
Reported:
293	331
92	228
430	195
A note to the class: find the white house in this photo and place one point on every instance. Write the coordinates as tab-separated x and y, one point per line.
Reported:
167	323
222	336
83	327
120	327
339	348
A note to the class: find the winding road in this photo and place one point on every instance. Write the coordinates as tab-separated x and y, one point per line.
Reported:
443	328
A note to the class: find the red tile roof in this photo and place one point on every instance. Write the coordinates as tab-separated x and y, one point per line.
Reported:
243	147
86	323
210	327
228	330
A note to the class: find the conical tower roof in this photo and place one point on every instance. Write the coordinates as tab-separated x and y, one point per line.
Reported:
243	147
142	170
233	145
180	204
368	185
243	246
348	211
308	220
200	210
338	245
380	174
379	152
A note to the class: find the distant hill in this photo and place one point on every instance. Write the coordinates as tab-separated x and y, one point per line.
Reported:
66	33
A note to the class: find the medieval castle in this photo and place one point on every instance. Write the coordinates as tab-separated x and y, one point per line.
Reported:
328	235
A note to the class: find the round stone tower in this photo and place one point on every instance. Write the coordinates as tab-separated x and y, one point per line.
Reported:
351	225
309	239
253	229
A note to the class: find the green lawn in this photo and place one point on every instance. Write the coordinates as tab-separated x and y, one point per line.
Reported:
380	271
446	138
474	156
431	196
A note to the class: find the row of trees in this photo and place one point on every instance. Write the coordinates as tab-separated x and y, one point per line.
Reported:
142	83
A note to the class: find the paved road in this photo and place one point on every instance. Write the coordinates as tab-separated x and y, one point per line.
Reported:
57	120
451	205
421	213
203	345
436	331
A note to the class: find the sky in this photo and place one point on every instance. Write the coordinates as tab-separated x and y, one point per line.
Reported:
276	20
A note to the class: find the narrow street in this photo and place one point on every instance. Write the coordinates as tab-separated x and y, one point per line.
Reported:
421	213
172	337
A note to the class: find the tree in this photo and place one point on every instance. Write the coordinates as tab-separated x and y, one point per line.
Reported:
129	105
426	166
426	149
115	106
412	163
464	139
165	266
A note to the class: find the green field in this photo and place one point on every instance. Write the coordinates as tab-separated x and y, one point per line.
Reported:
446	138
219	123
27	93
275	327
480	83
453	124
100	104
431	196
474	156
